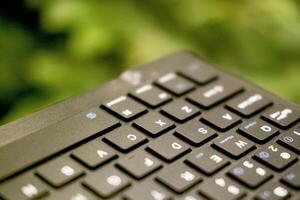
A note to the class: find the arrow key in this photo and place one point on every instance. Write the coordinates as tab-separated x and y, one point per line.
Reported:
94	154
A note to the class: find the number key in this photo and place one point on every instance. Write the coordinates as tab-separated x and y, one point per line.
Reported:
250	173
275	156
273	191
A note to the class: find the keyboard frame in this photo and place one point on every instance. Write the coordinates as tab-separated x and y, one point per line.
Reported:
145	74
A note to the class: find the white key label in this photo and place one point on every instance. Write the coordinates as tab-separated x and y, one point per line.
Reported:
102	154
187	176
160	123
216	158
227	116
114	180
250	101
280	115
187	109
148	162
127	112
241	144
214	91
29	190
91	115
176	146
67	170
131	137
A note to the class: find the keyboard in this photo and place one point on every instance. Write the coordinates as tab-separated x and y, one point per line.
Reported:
176	128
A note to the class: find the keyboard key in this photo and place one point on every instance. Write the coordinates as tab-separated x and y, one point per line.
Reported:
233	144
139	164
195	133
273	191
250	173
154	124
180	111
106	182
292	176
207	160
168	148
178	177
249	103
25	187
221	119
258	130
221	188
275	156
191	196
151	95
125	139
291	139
125	108
74	192
214	93
148	191
94	154
282	116
175	84
60	171
199	73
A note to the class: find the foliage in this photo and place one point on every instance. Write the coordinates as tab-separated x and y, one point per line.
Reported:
81	43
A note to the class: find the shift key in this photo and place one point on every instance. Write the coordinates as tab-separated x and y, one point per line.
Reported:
53	139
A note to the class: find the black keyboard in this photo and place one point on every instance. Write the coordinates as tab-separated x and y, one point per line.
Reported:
176	128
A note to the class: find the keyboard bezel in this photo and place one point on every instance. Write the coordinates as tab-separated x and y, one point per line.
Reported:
148	73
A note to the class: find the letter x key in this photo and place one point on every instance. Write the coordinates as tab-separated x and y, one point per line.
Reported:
154	124
160	123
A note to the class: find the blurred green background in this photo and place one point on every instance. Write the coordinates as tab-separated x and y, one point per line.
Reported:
53	49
